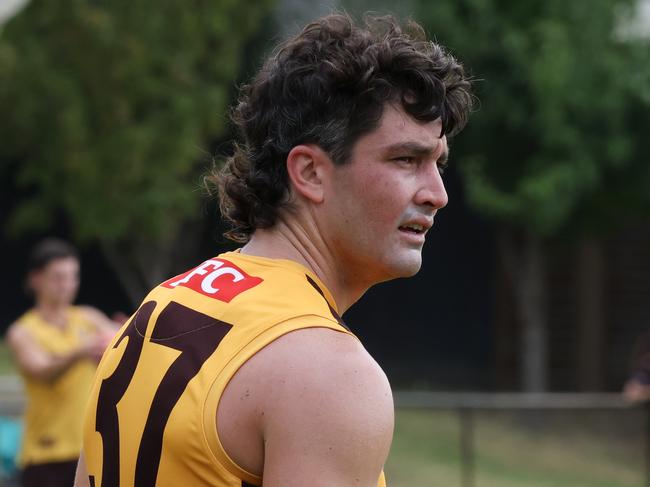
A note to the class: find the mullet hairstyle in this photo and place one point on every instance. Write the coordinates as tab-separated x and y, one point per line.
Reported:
328	86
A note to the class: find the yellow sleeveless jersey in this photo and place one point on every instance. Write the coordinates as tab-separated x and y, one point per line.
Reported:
151	418
54	413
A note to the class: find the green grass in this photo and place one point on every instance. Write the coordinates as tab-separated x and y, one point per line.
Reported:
6	361
567	449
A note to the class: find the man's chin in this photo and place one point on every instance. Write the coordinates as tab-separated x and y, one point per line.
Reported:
412	271
407	267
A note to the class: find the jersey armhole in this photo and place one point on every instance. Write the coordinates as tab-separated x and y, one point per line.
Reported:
211	403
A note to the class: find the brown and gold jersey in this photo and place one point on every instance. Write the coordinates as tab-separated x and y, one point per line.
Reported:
53	416
152	412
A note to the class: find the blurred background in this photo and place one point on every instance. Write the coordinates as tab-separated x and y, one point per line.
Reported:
508	351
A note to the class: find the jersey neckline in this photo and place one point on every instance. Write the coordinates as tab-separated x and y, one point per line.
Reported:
292	264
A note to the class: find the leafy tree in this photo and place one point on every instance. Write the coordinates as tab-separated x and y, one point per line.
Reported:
563	96
109	107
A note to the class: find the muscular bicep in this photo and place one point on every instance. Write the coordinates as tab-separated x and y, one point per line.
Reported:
332	419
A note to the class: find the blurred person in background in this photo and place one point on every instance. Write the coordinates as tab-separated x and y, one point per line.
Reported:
56	346
637	386
241	372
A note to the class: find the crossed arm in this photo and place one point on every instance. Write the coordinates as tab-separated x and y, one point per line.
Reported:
33	360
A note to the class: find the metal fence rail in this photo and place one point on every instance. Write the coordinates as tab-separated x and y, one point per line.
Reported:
508	400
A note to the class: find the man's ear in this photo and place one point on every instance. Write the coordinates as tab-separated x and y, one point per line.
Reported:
308	165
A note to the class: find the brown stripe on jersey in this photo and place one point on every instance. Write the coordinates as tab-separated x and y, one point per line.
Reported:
91	480
196	336
332	310
111	391
246	484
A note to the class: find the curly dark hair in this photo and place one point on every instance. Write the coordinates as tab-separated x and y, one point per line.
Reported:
328	86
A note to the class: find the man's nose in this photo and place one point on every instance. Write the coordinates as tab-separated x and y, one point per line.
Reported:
432	192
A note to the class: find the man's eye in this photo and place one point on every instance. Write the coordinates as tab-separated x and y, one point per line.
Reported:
442	166
405	159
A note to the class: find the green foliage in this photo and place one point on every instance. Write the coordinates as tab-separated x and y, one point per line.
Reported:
110	105
557	89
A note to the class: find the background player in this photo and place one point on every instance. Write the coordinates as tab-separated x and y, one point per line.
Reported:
56	346
241	371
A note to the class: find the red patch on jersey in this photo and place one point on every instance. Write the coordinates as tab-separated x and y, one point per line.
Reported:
215	278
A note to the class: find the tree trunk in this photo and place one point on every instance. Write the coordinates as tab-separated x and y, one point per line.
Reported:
142	265
126	273
524	262
590	319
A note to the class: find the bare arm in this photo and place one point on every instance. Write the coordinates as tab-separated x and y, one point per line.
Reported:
40	364
81	477
320	406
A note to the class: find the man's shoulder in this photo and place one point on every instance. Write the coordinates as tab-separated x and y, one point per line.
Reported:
329	377
310	383
21	332
311	367
316	353
19	327
15	331
89	312
317	357
323	382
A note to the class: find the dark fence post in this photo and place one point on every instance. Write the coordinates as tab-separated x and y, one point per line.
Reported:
647	444
466	447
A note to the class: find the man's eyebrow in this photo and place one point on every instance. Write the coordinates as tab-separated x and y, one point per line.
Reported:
412	148
418	149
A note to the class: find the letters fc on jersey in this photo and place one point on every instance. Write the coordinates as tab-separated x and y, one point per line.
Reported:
215	278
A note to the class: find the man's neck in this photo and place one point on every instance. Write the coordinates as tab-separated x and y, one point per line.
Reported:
53	313
295	242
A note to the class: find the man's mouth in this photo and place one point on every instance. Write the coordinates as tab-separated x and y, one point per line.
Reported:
413	228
